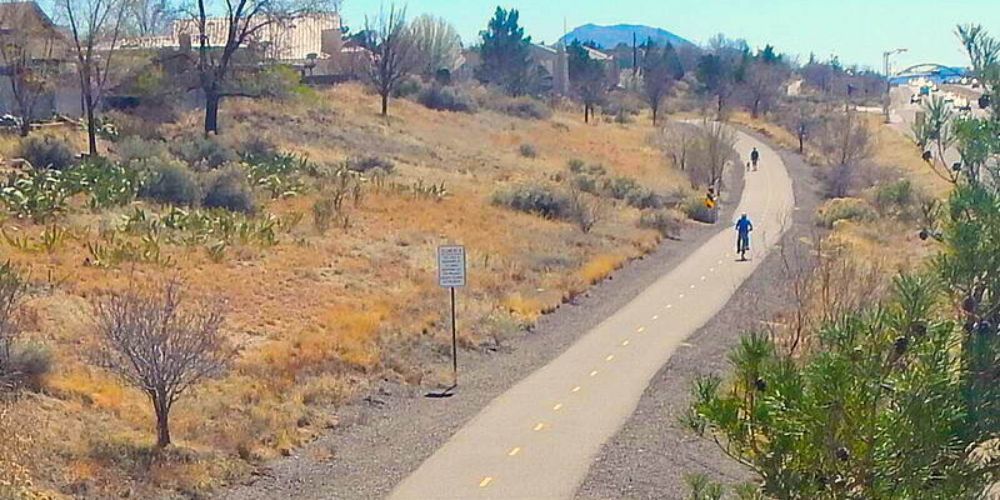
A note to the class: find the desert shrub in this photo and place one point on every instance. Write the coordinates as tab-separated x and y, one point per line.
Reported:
696	210
643	199
628	189
535	199
447	99
134	150
26	366
586	183
365	164
171	181
278	173
665	222
525	107
323	211
897	194
528	108
258	147
203	153
576	165
528	151
838	209
47	152
624	104
228	188
585	210
407	88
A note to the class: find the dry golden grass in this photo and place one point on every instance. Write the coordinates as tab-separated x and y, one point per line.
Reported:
318	316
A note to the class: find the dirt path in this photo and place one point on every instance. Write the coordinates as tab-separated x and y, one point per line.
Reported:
652	453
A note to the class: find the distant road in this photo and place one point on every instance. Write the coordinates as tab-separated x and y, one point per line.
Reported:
537	440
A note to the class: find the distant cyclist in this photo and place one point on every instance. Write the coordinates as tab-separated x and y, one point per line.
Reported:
743	229
754	158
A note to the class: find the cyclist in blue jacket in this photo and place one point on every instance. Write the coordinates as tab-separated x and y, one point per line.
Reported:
743	229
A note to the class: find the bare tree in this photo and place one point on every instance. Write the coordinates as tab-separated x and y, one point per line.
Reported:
661	69
763	82
677	141
802	118
155	346
220	40
846	139
393	52
96	27
25	51
149	17
436	45
713	149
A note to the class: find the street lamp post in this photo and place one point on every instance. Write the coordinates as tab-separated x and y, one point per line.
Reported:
888	80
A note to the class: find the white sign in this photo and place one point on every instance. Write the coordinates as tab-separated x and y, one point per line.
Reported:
451	266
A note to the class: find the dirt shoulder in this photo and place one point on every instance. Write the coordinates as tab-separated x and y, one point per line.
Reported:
652	453
386	435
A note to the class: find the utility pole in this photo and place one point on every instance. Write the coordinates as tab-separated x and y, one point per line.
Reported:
887	102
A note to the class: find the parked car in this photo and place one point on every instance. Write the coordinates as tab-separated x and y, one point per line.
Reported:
10	121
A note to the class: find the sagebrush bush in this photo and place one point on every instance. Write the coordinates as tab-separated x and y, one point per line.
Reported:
26	366
407	88
528	108
643	198
447	99
525	107
171	181
696	210
667	223
47	152
228	188
535	199
203	153
620	188
897	194
365	164
258	147
134	150
528	151
839	209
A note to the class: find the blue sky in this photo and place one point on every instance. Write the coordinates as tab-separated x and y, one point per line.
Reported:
858	31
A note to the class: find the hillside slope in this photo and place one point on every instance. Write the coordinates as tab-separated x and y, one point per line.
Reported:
318	314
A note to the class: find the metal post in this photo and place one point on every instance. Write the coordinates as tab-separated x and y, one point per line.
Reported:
454	341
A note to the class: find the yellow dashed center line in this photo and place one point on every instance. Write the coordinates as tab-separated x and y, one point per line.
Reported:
576	389
539	426
557	407
513	452
656	317
703	278
593	373
692	287
641	329
681	296
669	306
625	343
711	270
485	482
610	357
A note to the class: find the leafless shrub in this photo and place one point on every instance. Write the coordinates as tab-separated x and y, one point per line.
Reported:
676	140
846	139
824	283
586	210
12	290
154	345
713	148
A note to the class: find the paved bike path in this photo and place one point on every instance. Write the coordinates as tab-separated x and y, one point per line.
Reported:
537	439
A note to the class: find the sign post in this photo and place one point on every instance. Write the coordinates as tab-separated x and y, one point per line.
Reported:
451	275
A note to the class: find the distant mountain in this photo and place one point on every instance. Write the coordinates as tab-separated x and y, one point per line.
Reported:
610	36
